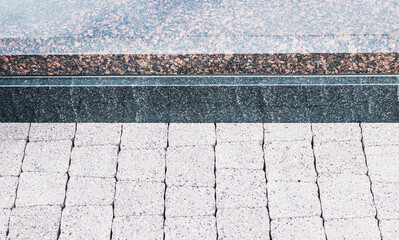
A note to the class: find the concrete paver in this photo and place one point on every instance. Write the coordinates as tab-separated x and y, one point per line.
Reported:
11	155
4	220
336	132
386	196
389	229
90	134
51	131
287	132
186	134
190	228
355	228
247	155
380	134
382	162
8	188
138	227
239	132
298	228
14	131
144	135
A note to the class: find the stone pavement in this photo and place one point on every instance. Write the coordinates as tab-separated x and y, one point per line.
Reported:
199	181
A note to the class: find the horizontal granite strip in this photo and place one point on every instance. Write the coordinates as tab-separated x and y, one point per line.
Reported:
208	99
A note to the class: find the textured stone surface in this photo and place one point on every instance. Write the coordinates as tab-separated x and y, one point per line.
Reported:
383	163
380	134
40	222
147	135
345	196
243	223
297	228
386	196
190	166
355	228
141	165
239	132
51	131
189	201
4	219
52	156
247	155
190	228
289	161
41	189
8	188
184	134
138	227
336	132
89	222
89	134
94	161
287	132
389	229
84	191
14	131
340	158
11	155
240	188
136	198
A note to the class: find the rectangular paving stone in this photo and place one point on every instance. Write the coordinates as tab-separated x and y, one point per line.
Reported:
383	163
11	155
186	134
190	228
352	229
189	201
51	131
243	223
340	158
346	196
94	161
139	198
4	219
289	161
239	132
386	196
89	222
293	199
298	228
144	135
47	156
190	166
84	191
142	165
380	134
138	227
336	132
14	131
90	134
8	188
247	155
240	188
38	222
287	132
389	229
41	189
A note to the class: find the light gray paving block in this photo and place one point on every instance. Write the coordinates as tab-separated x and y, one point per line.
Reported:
11	155
386	197
291	161
47	156
189	201
90	134
293	199
4	219
190	166
287	132
84	191
8	188
89	222
185	134
239	155
380	134
390	229
243	223
336	132
144	135
190	228
138	227
139	198
39	222
383	163
346	196
355	228
310	228
340	158
14	131
240	188
94	161
141	165
41	189
239	132
51	131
